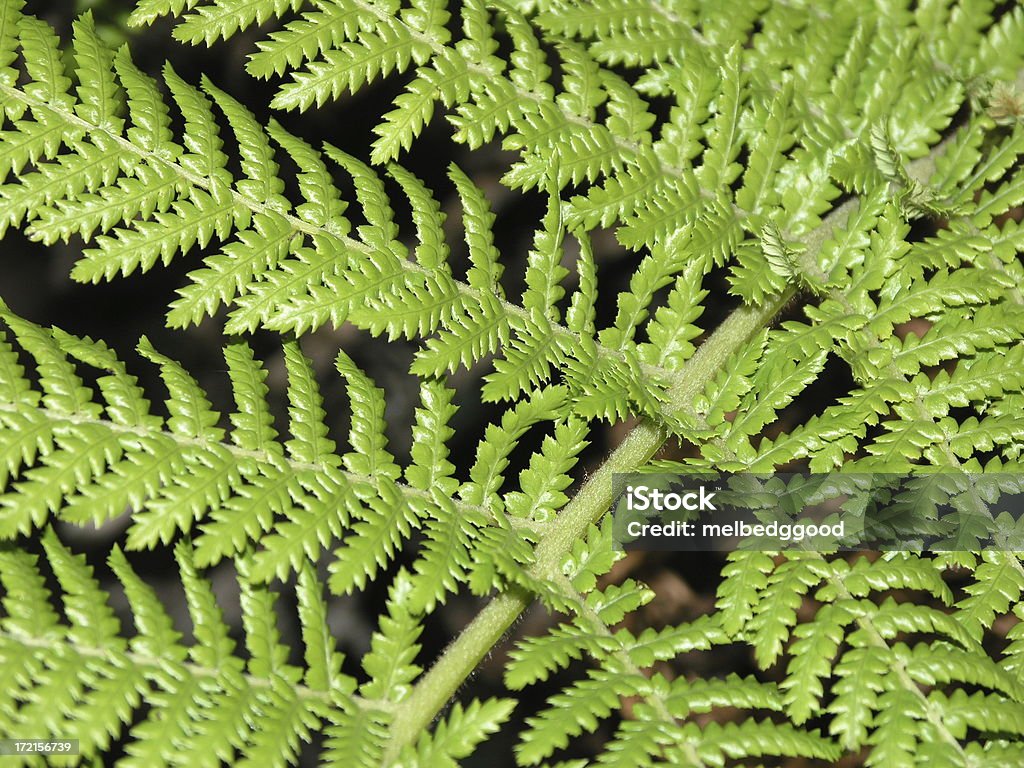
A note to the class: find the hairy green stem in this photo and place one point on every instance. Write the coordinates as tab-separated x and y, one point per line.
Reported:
441	682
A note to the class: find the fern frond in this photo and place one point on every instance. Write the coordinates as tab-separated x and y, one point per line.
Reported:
288	499
153	198
254	711
620	659
279	261
849	646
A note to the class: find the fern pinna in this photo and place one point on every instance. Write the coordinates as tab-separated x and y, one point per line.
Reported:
739	203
